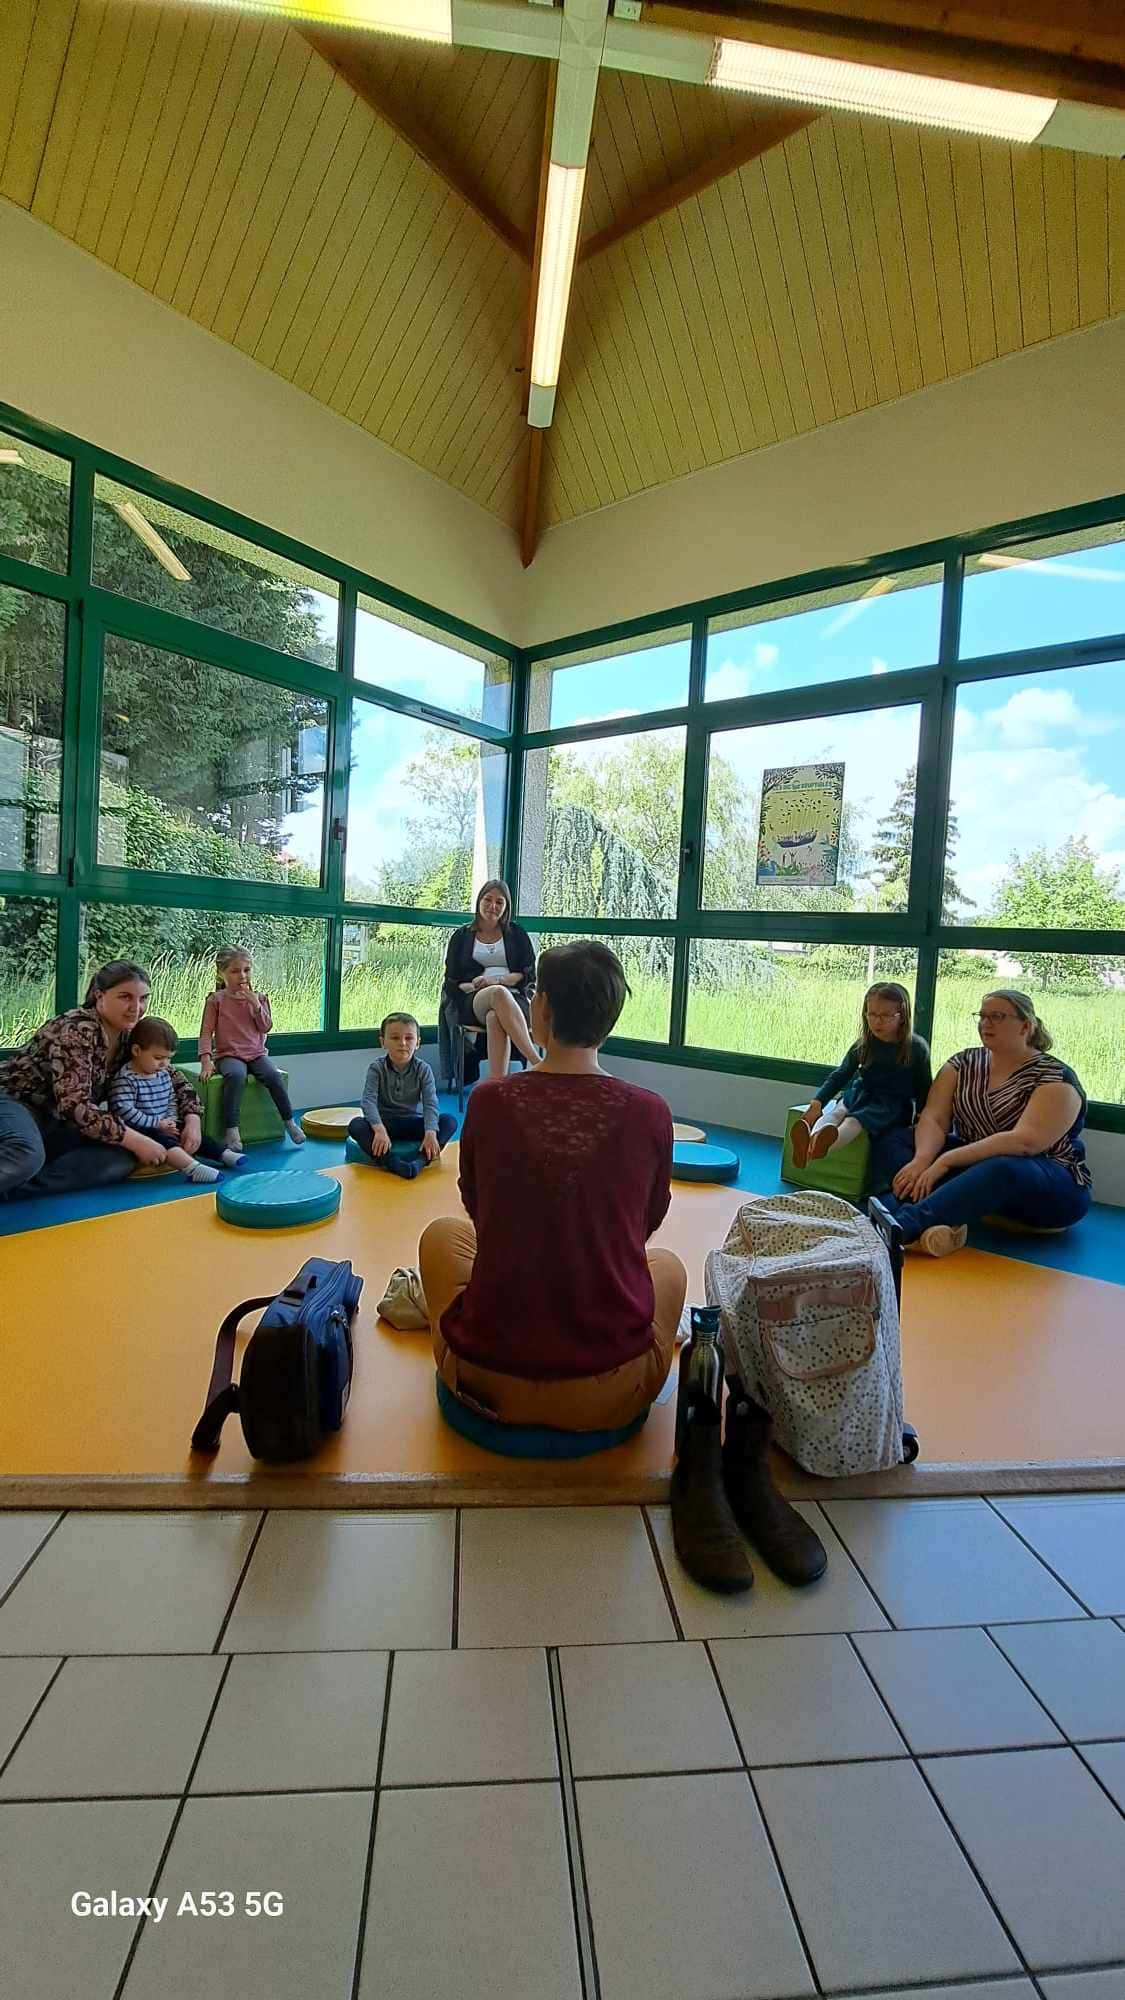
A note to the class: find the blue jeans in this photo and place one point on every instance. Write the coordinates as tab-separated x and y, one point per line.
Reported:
40	1154
1038	1192
233	1073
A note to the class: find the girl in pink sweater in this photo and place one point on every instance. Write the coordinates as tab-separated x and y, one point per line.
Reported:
232	1040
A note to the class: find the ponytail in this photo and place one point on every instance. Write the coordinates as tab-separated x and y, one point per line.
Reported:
1025	1008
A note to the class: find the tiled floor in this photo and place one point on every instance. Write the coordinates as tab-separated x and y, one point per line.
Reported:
517	1755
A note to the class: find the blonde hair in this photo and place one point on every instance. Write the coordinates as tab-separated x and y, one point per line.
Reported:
224	959
1025	1008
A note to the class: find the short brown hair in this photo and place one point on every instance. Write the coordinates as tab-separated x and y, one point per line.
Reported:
585	987
153	1033
407	1019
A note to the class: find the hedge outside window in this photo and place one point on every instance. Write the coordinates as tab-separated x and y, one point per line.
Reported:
879	626
34	503
390	969
32	660
1081	998
177	947
647	1013
786	1002
425	812
29	930
398	652
622	677
207	772
601	827
1046	593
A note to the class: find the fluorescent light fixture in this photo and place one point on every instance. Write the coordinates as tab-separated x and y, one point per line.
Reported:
556	269
8	457
417	20
882	93
146	533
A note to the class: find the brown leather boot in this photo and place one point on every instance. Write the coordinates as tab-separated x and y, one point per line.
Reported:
781	1536
704	1529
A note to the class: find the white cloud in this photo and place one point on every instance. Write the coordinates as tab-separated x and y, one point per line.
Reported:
879	666
728	682
1037	716
1012	800
766	654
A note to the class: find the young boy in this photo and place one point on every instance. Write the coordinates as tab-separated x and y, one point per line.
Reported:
400	1102
147	1095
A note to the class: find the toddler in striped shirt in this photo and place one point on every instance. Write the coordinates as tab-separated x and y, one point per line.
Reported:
149	1095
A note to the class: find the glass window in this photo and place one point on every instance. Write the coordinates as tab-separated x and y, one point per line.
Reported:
34	503
206	772
877	627
32	658
1080	998
401	653
155	553
647	1014
601	827
1044	593
177	947
1037	800
630	677
425	812
29	932
391	967
788	864
787	1002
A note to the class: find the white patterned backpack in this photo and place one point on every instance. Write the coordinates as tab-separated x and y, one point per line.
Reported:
810	1322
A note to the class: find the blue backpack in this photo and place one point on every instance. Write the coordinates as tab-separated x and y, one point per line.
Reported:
297	1368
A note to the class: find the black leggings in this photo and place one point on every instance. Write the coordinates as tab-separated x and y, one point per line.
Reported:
234	1073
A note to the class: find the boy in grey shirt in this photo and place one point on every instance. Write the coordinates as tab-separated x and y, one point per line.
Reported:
400	1102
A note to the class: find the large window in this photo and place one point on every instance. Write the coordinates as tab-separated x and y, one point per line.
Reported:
34	503
789	1002
391	969
843	634
1080	996
178	946
413	659
1045	593
29	929
32	658
601	827
634	677
647	963
425	812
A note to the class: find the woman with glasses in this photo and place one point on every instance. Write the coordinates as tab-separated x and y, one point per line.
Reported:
1000	1135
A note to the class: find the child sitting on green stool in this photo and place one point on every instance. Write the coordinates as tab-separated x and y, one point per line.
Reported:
150	1097
232	1039
882	1082
400	1102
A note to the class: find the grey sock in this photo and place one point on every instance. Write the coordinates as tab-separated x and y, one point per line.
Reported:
200	1173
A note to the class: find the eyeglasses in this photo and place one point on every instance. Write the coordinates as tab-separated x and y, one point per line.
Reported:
997	1017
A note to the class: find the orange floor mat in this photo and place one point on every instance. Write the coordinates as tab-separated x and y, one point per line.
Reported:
107	1328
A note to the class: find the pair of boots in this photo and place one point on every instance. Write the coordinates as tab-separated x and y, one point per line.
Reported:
722	1492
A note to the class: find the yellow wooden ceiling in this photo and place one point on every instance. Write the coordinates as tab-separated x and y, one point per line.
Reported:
223	164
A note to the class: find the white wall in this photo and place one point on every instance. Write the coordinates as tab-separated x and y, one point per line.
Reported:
1041	429
88	351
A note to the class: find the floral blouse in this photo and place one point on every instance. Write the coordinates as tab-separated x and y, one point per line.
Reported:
64	1071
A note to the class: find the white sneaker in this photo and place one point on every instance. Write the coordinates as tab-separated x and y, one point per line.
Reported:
295	1132
942	1241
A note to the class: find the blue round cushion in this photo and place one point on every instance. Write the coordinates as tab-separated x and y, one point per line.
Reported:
277	1200
406	1149
527	1440
703	1163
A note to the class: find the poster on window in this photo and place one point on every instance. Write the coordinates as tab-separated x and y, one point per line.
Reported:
799	831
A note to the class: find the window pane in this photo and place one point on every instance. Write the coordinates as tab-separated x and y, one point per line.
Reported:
879	752
161	556
177	948
647	1014
790	1002
1081	999
29	928
876	627
205	772
425	812
631	677
32	658
34	503
399	652
1044	593
601	827
392	967
1037	797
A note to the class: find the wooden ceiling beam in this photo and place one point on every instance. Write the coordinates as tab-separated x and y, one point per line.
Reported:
421	142
750	146
529	529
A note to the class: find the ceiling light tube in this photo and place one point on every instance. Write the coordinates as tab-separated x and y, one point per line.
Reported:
415	20
556	271
9	457
146	533
881	93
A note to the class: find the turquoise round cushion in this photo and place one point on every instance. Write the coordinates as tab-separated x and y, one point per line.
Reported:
405	1149
527	1440
277	1200
703	1163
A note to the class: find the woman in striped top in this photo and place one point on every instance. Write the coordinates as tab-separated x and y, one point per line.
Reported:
1000	1135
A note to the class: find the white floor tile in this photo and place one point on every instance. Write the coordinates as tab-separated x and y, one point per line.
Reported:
129	1583
1082	1536
470	1897
803	1701
952	1690
311	1850
881	1889
1108	1760
48	1853
22	1682
1105	1985
296	1722
470	1718
20	1536
634	1709
1049	1846
947	1562
684	1892
1077	1670
559	1576
328	1582
839	1602
112	1728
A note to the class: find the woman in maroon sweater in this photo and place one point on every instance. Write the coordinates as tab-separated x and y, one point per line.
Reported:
546	1307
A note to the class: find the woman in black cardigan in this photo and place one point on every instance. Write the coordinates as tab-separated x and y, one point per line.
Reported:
490	976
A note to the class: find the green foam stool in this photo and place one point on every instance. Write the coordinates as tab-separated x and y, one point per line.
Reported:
259	1120
843	1171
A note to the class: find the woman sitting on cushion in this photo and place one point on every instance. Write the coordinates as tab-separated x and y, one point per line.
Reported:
545	1305
999	1135
489	969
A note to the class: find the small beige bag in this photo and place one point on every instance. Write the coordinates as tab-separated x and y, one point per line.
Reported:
404	1302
